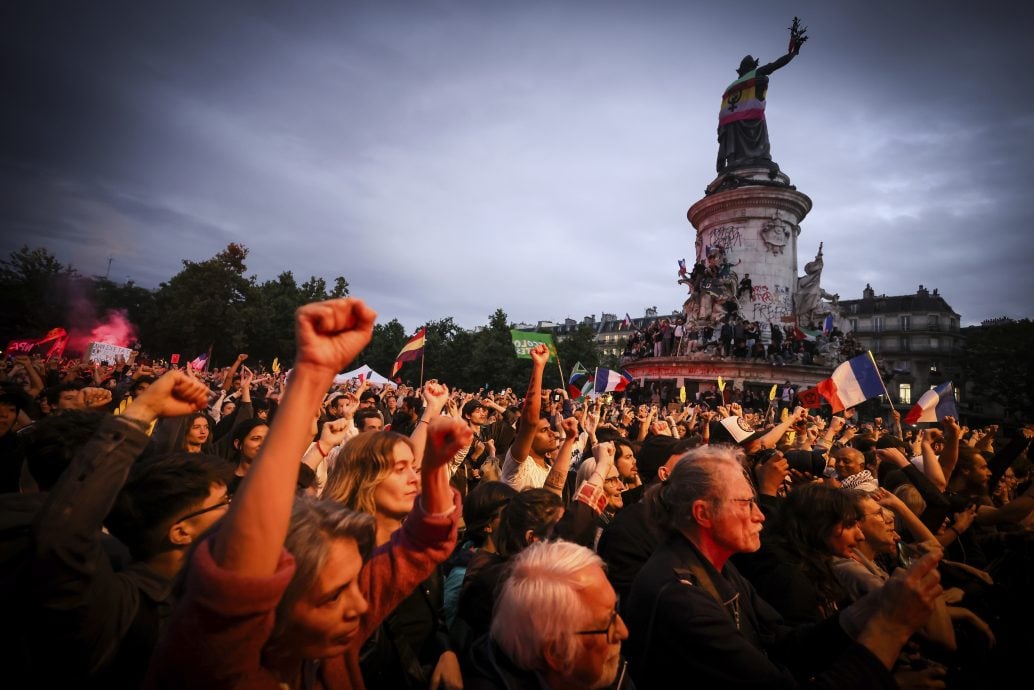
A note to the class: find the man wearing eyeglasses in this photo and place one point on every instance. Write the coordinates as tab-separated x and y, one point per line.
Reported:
556	625
692	615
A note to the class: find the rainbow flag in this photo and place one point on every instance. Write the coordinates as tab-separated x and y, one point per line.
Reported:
741	100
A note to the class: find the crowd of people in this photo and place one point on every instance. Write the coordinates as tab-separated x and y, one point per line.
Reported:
173	528
739	338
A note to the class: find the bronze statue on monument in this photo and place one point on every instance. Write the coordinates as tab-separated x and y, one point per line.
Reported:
742	131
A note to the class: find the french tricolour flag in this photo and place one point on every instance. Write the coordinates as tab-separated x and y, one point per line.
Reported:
853	382
610	380
934	405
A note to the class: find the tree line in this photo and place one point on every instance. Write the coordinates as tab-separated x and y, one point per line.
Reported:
213	304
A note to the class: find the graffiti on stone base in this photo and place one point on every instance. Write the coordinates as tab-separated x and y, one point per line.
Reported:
771	312
772	304
727	236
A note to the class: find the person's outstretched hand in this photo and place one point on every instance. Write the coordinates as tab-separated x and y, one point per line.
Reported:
94	398
435	396
174	394
570	427
330	334
604	454
334	432
540	354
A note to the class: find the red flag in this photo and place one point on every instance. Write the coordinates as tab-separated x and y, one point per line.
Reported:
57	336
20	346
810	398
828	390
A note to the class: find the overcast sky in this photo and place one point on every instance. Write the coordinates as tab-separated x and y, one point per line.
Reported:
452	158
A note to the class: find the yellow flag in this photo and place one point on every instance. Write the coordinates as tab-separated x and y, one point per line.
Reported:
126	401
682	394
785	414
275	366
771	393
721	384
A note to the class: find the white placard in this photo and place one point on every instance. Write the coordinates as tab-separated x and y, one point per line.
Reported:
106	352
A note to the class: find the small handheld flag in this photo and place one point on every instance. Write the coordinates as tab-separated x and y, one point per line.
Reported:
934	405
853	382
579	384
810	398
412	350
611	380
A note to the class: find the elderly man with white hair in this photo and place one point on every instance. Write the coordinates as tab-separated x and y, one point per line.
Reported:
556	625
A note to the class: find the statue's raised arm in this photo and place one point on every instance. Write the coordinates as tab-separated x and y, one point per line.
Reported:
742	131
798	35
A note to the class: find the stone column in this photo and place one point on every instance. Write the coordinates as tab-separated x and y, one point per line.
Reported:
754	220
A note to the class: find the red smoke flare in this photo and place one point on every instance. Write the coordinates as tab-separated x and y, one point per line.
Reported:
115	329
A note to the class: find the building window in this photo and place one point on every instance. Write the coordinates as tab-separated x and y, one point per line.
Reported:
906	322
854	325
935	343
905	393
934	321
877	324
904	366
905	343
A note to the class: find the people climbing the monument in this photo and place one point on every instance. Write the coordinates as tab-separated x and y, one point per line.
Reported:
745	286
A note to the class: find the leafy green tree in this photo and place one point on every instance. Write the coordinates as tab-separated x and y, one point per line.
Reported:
204	305
492	361
388	338
35	288
270	313
269	319
439	363
455	361
579	346
997	367
340	287
136	301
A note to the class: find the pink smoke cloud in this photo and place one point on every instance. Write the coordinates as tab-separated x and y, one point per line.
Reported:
114	329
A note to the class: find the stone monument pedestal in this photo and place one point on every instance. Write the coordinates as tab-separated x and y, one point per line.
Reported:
746	224
699	373
753	219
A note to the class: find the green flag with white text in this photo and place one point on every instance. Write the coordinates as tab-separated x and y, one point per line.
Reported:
524	341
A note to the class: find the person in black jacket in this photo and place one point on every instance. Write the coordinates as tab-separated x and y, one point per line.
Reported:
105	620
691	615
627	543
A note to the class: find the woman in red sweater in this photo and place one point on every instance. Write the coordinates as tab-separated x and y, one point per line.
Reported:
281	594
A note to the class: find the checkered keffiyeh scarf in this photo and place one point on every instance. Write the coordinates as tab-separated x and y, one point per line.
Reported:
863	480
